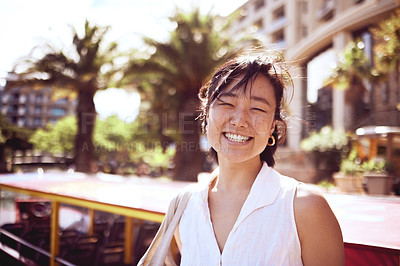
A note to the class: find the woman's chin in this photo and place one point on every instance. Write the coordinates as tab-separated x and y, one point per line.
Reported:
237	157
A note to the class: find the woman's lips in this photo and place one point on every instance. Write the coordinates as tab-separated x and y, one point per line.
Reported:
236	137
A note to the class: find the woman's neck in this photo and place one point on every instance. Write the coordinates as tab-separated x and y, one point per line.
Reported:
236	176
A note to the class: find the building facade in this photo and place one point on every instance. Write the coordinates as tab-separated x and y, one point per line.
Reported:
304	29
312	34
34	108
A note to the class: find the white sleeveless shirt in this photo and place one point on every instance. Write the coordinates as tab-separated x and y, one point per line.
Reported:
264	233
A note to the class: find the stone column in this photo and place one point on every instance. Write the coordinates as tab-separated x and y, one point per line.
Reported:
342	113
296	110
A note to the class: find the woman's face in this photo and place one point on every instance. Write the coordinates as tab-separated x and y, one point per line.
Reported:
240	123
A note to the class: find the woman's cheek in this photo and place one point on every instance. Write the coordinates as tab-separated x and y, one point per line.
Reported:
217	118
262	125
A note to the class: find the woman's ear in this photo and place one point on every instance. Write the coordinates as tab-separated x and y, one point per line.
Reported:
273	126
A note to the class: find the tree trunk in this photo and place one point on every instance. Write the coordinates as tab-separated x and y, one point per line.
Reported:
188	156
3	162
86	118
397	79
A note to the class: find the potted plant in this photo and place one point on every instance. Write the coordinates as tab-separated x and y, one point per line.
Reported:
325	148
376	176
349	179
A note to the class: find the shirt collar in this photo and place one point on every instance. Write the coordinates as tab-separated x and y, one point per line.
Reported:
265	188
263	192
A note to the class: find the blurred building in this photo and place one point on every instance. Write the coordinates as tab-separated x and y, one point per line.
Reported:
324	107
26	107
308	31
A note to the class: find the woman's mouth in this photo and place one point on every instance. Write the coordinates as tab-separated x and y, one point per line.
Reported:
236	137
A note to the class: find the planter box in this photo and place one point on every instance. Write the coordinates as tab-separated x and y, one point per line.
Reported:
378	183
349	183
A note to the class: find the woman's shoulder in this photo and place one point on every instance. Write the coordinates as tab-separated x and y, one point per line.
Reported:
317	226
310	202
308	196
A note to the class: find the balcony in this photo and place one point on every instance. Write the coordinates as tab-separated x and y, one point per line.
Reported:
13	101
277	24
327	10
21	111
21	122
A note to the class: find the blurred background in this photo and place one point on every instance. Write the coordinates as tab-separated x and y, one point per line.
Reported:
98	102
111	86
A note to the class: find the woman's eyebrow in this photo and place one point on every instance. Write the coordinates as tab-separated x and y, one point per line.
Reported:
227	94
234	95
260	99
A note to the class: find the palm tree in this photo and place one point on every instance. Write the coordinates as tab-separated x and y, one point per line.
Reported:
79	75
170	78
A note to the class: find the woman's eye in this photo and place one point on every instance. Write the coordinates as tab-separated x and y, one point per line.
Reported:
226	104
259	110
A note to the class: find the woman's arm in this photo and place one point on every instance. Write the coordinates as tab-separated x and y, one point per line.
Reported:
319	231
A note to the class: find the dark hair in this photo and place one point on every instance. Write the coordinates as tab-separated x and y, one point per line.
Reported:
250	64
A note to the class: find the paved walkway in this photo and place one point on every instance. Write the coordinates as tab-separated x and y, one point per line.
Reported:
368	220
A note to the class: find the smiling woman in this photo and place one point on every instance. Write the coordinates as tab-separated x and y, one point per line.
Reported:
240	122
250	90
249	214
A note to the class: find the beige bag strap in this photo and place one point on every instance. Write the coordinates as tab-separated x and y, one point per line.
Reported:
159	252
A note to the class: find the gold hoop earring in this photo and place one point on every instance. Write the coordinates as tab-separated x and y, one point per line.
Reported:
273	141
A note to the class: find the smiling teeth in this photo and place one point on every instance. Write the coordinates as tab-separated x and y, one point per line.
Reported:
236	138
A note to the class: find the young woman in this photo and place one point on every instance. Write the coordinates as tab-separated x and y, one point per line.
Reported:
249	214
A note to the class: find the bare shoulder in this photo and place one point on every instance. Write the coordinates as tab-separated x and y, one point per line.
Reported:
318	228
309	199
311	208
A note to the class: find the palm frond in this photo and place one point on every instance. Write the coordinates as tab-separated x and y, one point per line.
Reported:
64	72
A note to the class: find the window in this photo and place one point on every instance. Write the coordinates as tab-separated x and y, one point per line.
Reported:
279	37
14	97
38	110
11	109
279	13
305	6
39	98
258	25
327	10
304	30
37	122
58	112
62	101
259	4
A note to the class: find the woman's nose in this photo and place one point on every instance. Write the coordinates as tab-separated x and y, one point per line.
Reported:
239	118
